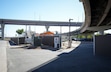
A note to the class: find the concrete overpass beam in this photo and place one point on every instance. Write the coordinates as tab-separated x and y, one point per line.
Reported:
87	8
100	28
47	28
105	12
109	23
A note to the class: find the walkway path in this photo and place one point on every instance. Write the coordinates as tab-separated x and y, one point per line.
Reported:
3	56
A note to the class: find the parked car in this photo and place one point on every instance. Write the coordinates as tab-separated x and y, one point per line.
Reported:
12	42
85	39
82	39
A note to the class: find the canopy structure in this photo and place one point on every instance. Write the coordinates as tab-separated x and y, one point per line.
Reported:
48	33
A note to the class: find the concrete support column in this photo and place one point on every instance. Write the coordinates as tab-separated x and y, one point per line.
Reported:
60	29
94	44
47	28
85	36
60	36
2	30
101	32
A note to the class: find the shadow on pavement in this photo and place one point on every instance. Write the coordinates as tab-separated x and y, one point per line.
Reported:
49	48
33	47
41	47
80	59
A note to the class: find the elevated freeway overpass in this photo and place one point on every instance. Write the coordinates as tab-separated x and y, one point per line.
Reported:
39	23
97	15
98	19
4	22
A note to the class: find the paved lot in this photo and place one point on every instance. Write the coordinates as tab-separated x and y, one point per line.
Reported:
80	59
22	60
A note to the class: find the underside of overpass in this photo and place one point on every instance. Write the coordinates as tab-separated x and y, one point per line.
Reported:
97	15
98	18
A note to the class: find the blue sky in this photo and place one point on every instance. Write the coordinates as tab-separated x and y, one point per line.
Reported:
44	10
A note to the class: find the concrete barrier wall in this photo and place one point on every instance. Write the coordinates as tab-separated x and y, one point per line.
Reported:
3	56
103	45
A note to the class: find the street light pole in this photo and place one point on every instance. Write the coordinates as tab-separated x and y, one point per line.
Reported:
69	43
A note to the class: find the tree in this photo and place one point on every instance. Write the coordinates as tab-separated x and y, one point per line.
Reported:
19	31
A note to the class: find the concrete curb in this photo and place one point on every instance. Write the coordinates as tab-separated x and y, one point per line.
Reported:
3	56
